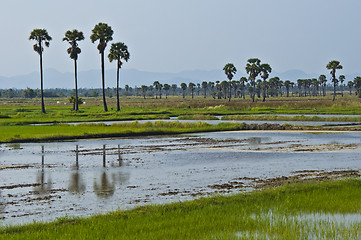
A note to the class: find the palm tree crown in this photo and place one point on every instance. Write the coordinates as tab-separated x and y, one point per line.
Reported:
229	70
40	35
72	37
103	33
118	51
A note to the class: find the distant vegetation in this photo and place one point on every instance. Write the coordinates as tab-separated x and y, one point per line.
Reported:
256	85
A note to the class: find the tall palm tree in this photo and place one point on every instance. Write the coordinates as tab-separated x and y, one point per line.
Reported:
103	33
72	37
333	65
230	70
118	51
253	68
40	36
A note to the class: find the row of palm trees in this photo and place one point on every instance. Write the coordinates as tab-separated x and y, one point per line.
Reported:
255	68
274	87
102	33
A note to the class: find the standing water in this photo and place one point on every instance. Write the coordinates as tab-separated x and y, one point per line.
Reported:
44	181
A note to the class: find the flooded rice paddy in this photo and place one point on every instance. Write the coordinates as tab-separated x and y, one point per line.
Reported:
44	181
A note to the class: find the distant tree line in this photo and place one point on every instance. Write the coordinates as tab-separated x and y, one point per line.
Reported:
255	84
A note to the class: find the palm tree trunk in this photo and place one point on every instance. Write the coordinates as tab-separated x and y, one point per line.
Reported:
118	106
103	82
41	82
76	86
230	92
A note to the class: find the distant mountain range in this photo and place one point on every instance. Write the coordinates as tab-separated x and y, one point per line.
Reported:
132	77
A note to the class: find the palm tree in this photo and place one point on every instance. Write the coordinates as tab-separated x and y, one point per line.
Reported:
144	90
333	65
191	87
266	70
184	87
253	68
174	88
287	86
229	70
40	36
166	88
323	80
72	37
350	86
119	51
103	33
242	86
357	85
342	79
204	86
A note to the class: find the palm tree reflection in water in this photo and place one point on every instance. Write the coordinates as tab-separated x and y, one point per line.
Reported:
105	186
44	187
76	183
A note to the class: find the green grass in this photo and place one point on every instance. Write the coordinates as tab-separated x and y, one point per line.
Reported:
291	118
27	133
290	212
25	111
197	117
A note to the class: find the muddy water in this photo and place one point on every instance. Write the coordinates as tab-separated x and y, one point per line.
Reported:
44	181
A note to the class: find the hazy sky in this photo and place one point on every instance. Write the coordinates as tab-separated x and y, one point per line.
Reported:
177	35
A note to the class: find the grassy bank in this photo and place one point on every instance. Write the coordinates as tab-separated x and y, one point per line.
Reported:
30	133
25	111
295	211
291	118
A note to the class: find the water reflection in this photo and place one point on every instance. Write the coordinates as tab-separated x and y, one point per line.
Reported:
104	186
256	140
119	160
76	185
2	206
45	186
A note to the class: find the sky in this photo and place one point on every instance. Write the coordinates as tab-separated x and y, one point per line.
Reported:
179	35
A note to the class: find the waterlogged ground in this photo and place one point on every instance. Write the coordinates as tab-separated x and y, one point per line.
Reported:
44	181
